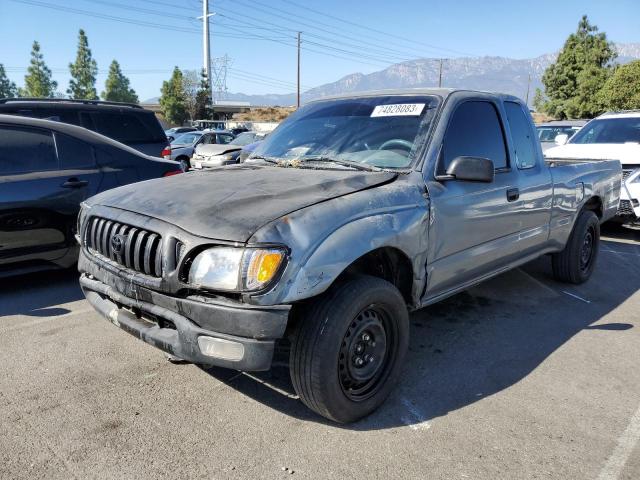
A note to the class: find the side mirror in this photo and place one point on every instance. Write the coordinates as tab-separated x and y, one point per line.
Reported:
470	169
561	139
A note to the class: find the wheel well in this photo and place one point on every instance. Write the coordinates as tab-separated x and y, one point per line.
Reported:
595	205
389	264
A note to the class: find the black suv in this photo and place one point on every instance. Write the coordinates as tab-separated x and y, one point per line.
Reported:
127	123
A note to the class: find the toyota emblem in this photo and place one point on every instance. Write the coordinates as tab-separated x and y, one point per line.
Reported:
117	244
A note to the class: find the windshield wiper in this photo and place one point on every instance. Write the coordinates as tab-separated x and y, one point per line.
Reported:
266	159
338	161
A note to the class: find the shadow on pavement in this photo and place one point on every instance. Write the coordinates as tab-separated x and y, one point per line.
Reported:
39	294
476	343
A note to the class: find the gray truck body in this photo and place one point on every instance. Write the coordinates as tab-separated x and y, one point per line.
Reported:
431	237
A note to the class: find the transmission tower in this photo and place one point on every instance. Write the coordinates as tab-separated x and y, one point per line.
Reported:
219	68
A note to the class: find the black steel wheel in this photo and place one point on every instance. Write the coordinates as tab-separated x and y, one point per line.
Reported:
576	262
367	347
348	348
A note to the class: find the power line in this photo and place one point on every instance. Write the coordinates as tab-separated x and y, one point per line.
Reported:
377	46
412	41
384	55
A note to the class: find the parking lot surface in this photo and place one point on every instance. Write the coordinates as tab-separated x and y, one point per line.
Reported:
520	377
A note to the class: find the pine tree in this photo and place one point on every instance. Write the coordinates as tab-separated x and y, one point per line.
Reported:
7	87
203	98
116	87
37	81
83	72
622	89
573	81
172	98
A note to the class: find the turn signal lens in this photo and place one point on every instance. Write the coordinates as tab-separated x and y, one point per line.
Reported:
262	267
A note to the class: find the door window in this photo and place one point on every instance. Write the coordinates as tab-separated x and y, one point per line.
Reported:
25	150
73	153
123	127
475	131
208	139
522	135
224	139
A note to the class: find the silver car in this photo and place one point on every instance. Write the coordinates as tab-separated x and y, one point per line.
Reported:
182	148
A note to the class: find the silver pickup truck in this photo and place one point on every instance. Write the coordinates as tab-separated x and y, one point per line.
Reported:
355	211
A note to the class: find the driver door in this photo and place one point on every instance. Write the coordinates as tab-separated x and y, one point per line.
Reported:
474	226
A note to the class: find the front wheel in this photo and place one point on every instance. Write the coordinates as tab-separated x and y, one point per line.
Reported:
348	351
576	262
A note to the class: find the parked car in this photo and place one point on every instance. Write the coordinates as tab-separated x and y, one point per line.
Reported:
247	150
182	148
365	207
208	156
238	130
127	123
46	169
175	132
611	136
547	132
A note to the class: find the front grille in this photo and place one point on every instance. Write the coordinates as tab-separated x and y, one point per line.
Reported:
134	248
626	174
625	209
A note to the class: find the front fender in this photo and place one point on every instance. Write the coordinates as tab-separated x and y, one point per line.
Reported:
324	239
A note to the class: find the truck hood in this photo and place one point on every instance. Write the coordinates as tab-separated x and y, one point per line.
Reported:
232	203
627	153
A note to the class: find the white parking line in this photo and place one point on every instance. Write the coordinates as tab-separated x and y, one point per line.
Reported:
576	296
415	420
626	443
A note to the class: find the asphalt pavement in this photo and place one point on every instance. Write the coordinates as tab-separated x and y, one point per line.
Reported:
520	377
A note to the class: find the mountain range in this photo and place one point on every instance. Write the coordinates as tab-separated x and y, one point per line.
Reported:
500	74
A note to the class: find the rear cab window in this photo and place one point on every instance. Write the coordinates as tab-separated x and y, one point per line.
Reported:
522	135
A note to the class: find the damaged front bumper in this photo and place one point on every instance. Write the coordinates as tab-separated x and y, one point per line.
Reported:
201	330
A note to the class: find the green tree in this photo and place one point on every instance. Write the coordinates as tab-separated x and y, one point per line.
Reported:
83	72
37	81
203	98
172	98
539	100
583	66
116	87
622	89
7	87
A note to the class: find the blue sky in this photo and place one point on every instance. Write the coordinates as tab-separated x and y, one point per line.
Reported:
259	35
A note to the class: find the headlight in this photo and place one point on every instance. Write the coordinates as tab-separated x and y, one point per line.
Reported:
82	215
236	269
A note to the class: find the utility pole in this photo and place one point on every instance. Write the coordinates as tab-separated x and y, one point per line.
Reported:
528	87
298	96
440	75
206	44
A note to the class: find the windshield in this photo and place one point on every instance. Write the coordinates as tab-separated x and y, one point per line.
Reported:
609	130
548	134
384	131
244	139
186	139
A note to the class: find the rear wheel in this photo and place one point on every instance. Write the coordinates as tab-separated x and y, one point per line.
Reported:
576	262
185	163
347	353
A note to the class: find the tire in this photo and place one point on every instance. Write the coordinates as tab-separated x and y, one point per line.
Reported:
359	318
576	262
185	163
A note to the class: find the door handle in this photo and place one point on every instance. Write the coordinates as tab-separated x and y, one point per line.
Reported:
513	194
75	183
